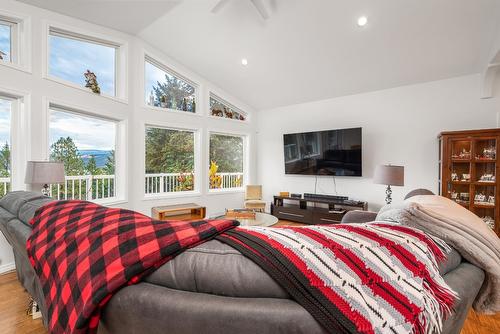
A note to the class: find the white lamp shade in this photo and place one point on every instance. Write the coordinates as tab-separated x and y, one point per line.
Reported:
389	175
44	172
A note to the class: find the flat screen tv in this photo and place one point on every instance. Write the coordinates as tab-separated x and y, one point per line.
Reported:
332	152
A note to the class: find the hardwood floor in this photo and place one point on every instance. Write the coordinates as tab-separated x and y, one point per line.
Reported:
14	300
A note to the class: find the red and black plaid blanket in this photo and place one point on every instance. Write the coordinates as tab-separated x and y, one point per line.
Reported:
83	253
361	278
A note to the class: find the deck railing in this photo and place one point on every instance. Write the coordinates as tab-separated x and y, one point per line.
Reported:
173	182
96	187
84	187
4	185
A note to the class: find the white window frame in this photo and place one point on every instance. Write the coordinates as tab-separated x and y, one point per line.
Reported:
246	162
20	134
198	170
219	99
120	145
121	59
20	40
169	70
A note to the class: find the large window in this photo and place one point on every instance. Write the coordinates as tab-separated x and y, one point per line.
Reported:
5	41
86	146
226	161
166	89
5	145
221	108
170	160
73	56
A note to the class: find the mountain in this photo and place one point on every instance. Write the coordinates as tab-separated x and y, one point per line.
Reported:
100	156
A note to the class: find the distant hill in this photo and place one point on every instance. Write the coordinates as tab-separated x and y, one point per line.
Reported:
100	156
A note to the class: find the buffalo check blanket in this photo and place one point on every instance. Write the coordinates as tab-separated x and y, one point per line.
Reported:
362	278
83	253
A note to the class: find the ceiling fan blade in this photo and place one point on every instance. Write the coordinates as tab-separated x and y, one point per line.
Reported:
218	6
261	8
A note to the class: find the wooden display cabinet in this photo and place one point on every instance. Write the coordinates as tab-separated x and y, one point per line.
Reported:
468	169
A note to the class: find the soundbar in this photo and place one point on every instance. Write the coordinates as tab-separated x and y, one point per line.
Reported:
330	197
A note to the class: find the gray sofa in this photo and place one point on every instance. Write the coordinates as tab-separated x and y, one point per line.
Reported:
211	288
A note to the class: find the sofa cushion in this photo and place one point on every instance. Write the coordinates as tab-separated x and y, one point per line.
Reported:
19	234
27	210
216	268
13	201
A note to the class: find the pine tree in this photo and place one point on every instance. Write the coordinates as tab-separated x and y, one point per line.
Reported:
91	167
5	160
64	150
109	168
176	92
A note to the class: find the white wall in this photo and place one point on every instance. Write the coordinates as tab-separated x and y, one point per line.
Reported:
39	90
400	126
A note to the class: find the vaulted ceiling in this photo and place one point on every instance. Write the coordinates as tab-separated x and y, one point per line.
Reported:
313	49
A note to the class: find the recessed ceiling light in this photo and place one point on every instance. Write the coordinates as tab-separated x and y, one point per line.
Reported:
362	21
244	62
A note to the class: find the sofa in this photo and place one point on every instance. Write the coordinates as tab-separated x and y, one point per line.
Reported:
211	288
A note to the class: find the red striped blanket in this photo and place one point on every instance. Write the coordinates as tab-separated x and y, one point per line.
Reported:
83	253
362	278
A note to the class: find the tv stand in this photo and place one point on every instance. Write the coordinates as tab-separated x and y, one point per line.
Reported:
322	209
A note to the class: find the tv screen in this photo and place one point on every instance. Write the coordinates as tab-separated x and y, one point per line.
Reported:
333	152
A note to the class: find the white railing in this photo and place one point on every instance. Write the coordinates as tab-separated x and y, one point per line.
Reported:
4	185
171	182
84	187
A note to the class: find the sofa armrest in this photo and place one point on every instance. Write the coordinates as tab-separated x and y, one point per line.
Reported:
358	217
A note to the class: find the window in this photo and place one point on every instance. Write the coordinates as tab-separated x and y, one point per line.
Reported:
226	161
86	146
221	108
72	56
170	160
166	89
5	41
5	145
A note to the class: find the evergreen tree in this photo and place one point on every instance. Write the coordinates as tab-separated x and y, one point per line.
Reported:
227	153
109	168
176	93
91	167
64	150
5	160
169	151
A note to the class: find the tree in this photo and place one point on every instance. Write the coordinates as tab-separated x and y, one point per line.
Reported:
109	167
169	151
5	160
176	93
91	167
227	153
64	150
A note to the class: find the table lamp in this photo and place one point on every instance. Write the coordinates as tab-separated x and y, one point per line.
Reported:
391	176
44	173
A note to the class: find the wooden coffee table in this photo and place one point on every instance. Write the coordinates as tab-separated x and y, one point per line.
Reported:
188	211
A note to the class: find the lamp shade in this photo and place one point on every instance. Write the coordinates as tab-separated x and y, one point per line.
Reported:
44	172
389	175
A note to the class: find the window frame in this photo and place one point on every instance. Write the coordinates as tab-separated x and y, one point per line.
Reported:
221	100
121	59
20	40
121	185
20	134
169	70
246	163
198	170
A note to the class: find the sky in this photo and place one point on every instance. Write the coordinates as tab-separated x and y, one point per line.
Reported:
88	133
70	59
5	41
153	75
5	106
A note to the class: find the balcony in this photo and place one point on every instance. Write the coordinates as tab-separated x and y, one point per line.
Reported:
97	187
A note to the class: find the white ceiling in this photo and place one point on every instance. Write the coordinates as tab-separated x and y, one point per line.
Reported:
130	16
309	49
